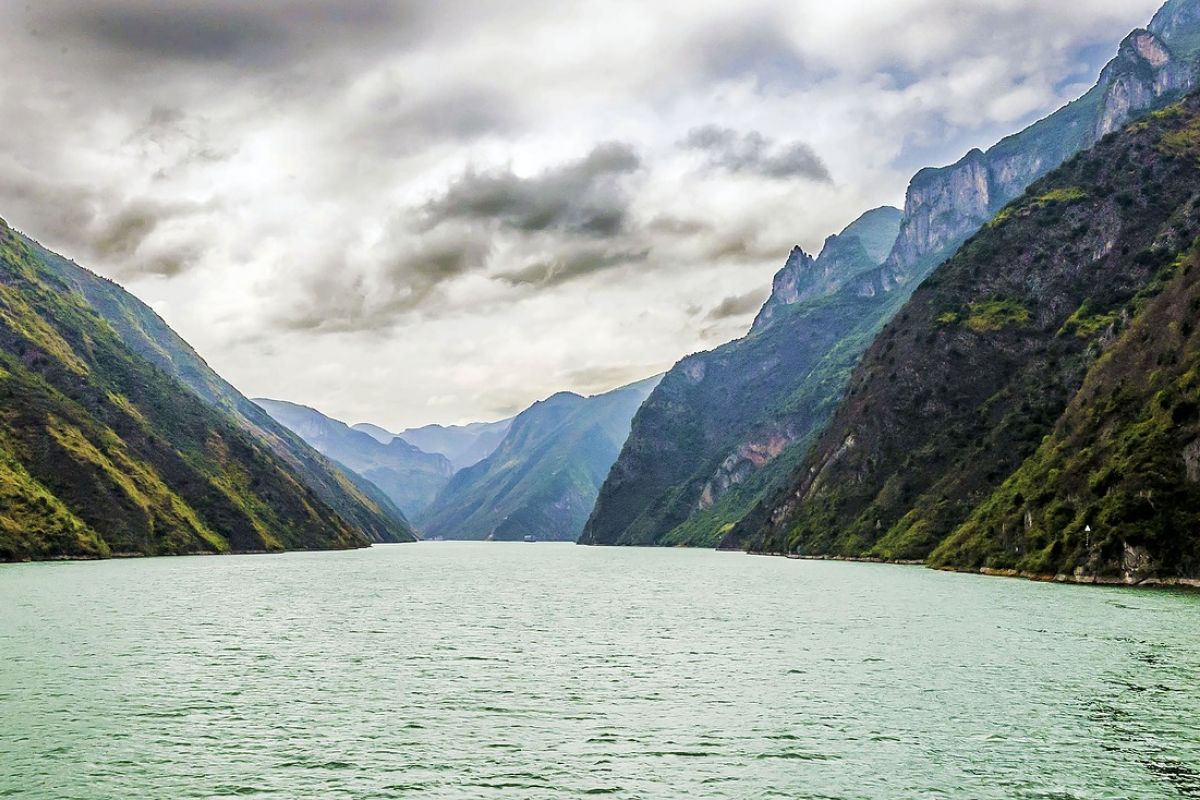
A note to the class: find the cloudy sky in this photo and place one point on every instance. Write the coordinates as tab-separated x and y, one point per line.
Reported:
412	211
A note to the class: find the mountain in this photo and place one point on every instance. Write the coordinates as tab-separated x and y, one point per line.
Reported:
864	244
410	477
542	479
141	330
464	445
725	428
102	453
1035	407
377	433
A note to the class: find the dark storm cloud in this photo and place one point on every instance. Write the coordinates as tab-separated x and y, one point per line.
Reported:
572	263
404	120
224	31
582	198
738	305
91	224
341	297
754	153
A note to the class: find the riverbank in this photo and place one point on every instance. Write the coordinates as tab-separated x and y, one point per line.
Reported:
1189	584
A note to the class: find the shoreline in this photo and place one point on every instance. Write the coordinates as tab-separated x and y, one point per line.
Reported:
191	554
1184	584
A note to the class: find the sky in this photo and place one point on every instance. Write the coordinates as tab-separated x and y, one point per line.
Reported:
418	211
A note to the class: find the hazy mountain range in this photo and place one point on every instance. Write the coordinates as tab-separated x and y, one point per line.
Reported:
463	445
543	478
409	476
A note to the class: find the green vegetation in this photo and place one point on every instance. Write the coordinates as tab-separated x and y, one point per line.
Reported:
1065	195
1114	490
1084	324
1003	451
995	314
101	453
353	498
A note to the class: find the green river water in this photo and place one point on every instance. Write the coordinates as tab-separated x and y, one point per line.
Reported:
448	670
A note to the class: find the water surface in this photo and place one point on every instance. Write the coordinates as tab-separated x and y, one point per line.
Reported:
447	670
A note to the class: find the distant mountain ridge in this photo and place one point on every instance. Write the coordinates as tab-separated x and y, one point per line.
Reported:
725	429
409	476
542	479
464	445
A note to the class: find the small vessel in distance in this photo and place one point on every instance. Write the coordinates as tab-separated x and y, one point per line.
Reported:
530	538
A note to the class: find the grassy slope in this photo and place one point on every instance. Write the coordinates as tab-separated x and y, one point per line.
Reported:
354	499
102	453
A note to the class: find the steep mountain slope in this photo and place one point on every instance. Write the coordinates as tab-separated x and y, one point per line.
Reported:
1041	382
381	435
864	244
543	478
1153	67
722	425
144	332
410	477
102	453
464	445
680	480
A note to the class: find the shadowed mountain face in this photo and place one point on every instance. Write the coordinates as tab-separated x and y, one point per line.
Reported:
542	479
103	453
726	428
141	330
410	477
463	445
1035	406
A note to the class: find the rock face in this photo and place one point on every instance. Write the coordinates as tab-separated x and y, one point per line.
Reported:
1152	68
721	425
774	384
1032	406
862	245
410	477
102	453
543	478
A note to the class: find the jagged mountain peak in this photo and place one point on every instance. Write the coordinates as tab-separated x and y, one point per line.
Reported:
845	255
1178	23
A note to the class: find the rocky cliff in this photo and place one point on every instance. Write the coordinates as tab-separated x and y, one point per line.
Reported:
723	425
1033	407
779	383
1152	67
862	245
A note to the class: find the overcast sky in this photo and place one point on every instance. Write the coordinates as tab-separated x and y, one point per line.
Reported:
412	211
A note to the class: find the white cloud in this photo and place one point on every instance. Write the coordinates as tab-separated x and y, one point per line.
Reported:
268	184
